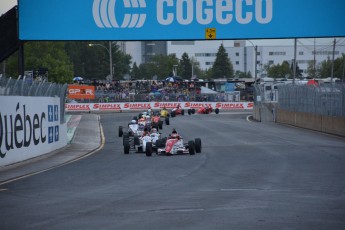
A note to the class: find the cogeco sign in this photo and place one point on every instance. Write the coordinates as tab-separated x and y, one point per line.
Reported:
178	19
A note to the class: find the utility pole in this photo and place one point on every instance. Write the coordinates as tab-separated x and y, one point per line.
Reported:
294	61
332	73
314	63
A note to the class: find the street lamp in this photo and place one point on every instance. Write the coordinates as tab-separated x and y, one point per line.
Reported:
110	57
255	59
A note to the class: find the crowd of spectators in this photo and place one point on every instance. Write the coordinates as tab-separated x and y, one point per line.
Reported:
149	90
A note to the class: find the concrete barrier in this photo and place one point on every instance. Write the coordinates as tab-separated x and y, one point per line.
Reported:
326	124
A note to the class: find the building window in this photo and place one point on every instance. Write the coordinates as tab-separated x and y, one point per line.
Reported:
237	62
300	53
258	53
271	62
277	53
205	55
237	54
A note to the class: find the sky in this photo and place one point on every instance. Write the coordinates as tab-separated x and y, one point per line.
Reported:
6	5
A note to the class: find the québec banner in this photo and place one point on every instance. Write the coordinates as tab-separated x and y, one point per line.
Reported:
179	19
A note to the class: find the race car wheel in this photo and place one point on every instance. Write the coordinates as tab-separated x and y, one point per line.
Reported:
167	121
216	110
136	140
189	112
173	114
160	124
191	147
135	118
148	149
126	146
182	111
120	131
197	145
163	142
193	111
125	137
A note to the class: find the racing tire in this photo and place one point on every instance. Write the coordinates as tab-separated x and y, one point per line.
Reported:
126	146
136	140
135	118
189	112
182	112
120	131
158	143
148	149
193	111
191	147
167	121
198	146
163	142
216	110
125	137
173	114
160	124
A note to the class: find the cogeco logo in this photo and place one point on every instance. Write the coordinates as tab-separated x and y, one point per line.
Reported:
205	12
185	12
105	16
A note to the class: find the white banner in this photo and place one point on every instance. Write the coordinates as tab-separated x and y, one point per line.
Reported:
128	106
29	127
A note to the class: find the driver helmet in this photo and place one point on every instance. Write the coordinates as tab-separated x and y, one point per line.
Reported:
147	117
149	110
153	130
174	135
174	131
133	121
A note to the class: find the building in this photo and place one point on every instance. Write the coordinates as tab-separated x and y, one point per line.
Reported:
242	55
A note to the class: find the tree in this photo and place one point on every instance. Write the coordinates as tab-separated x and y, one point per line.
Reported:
185	66
135	72
222	66
279	71
240	74
325	70
49	55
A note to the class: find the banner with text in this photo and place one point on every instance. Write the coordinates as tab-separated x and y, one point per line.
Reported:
140	106
179	19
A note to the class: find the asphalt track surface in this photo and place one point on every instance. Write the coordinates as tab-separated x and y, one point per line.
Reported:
250	175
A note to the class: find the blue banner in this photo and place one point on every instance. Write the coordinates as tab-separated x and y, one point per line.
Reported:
179	19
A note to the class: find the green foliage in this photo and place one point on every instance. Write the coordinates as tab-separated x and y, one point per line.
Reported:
222	67
160	65
185	66
240	74
279	71
50	55
325	69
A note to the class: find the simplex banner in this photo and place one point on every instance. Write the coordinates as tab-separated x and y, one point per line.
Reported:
141	106
179	19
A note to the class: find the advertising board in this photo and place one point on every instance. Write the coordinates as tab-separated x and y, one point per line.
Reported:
29	127
179	19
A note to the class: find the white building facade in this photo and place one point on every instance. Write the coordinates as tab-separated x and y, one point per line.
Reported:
242	55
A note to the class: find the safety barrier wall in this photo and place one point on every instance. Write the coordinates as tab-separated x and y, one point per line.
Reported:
82	107
322	123
30	127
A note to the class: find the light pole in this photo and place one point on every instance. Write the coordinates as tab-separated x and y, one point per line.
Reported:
110	57
255	59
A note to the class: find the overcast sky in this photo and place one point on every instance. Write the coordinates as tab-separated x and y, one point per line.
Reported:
6	5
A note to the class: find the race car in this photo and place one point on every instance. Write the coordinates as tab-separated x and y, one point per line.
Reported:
173	145
203	110
157	121
142	144
177	111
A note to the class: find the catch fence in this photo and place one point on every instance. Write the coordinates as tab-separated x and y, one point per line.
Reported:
322	99
32	88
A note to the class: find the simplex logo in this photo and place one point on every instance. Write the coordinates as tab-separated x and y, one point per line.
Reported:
104	14
183	12
23	129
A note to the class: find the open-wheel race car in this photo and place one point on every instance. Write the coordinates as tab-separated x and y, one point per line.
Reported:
174	145
177	111
157	120
141	144
203	110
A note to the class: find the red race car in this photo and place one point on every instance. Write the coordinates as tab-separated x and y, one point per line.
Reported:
203	110
177	111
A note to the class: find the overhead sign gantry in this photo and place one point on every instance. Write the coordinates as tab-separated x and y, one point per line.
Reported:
179	19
